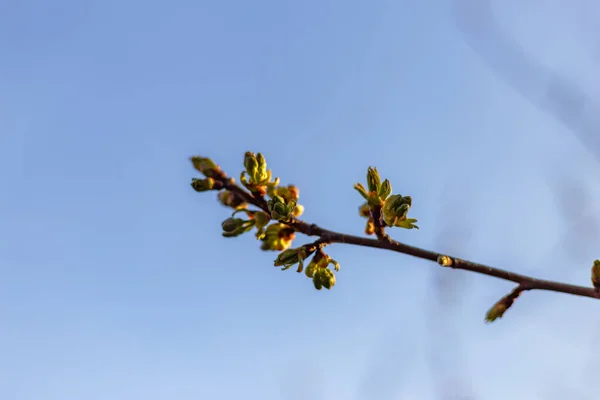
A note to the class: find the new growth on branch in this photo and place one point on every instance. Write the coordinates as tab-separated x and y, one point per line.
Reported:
275	219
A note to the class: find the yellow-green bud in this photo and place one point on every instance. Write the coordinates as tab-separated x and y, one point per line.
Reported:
385	189
370	227
204	165
596	275
373	179
326	278
317	280
235	226
251	164
298	210
311	268
497	311
231	224
444	261
203	185
279	210
395	209
287	258
262	167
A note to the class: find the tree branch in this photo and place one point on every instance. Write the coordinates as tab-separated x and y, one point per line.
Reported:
385	243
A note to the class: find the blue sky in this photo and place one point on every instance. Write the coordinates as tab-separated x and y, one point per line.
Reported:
115	280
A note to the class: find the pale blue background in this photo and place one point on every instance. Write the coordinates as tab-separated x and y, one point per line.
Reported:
115	283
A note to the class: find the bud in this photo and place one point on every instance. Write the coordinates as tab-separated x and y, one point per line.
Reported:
497	311
444	261
279	210
203	185
373	179
231	199
596	275
251	164
328	278
278	237
298	210
324	277
317	281
231	224
370	228
287	258
385	189
235	226
262	174
395	209
311	268
205	166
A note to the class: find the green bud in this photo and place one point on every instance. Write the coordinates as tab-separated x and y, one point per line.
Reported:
203	185
235	226
205	166
287	258
497	311
279	210
311	268
385	189
395	209
251	164
317	280
326	277
262	174
596	275
232	224
373	179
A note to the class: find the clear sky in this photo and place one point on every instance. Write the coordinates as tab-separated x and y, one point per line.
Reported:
115	282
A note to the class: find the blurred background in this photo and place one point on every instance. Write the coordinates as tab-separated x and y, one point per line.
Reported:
115	282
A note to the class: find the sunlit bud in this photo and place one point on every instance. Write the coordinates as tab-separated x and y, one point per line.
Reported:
444	261
373	179
385	189
596	275
251	164
287	258
370	227
311	268
298	210
498	310
279	210
202	185
205	166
